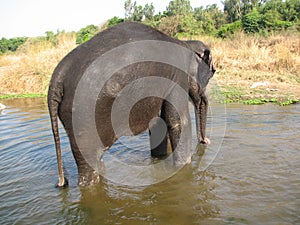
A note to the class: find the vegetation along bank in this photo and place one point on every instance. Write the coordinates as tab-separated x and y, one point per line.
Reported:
255	46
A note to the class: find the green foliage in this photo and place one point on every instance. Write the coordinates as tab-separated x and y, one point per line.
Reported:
51	37
170	25
256	101
149	12
252	22
231	94
11	44
180	19
86	34
210	19
114	21
228	30
288	101
134	12
138	13
233	10
188	25
280	15
179	7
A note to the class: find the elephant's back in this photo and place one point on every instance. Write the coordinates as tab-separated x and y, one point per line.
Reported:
77	61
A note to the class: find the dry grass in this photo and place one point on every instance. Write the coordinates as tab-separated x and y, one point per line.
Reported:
240	62
244	60
30	68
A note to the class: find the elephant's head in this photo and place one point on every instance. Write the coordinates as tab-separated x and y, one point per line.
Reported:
205	67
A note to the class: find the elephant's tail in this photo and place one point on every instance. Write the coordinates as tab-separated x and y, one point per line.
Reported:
55	94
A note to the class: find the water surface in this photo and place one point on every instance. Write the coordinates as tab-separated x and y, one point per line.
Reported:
254	178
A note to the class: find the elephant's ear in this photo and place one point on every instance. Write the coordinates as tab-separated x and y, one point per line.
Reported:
207	58
204	55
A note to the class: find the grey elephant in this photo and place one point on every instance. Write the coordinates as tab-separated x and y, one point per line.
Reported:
74	70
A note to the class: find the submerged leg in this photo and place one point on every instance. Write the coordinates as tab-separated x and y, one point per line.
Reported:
201	116
179	132
86	174
158	137
200	101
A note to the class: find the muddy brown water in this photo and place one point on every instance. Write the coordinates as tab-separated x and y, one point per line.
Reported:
251	174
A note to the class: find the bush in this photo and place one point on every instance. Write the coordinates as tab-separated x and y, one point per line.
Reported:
114	21
170	25
188	26
86	34
11	44
252	22
228	30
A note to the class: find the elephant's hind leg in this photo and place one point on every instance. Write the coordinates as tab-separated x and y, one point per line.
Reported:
86	174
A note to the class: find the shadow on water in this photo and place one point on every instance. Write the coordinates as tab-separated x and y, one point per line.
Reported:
253	180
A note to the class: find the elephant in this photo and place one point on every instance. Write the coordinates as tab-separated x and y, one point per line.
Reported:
71	71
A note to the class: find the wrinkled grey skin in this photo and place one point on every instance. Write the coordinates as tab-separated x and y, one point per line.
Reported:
70	70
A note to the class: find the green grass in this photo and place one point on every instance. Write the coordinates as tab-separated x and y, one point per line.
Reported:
231	94
22	96
288	101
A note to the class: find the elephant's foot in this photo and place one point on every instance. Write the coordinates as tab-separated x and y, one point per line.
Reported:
88	178
158	153
62	183
205	141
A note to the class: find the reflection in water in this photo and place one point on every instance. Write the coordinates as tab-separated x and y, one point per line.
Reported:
254	179
174	201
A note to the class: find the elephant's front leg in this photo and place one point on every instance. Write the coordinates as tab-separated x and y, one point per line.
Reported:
158	134
178	126
201	108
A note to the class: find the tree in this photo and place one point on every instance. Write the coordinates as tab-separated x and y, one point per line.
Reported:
252	22
134	12
233	10
290	10
128	6
236	9
179	7
170	25
248	5
210	19
138	13
215	15
149	11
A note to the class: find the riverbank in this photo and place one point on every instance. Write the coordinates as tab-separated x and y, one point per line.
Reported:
250	69
257	70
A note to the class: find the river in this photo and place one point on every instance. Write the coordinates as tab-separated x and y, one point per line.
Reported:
250	174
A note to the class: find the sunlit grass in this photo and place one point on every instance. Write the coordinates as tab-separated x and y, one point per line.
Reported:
29	69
